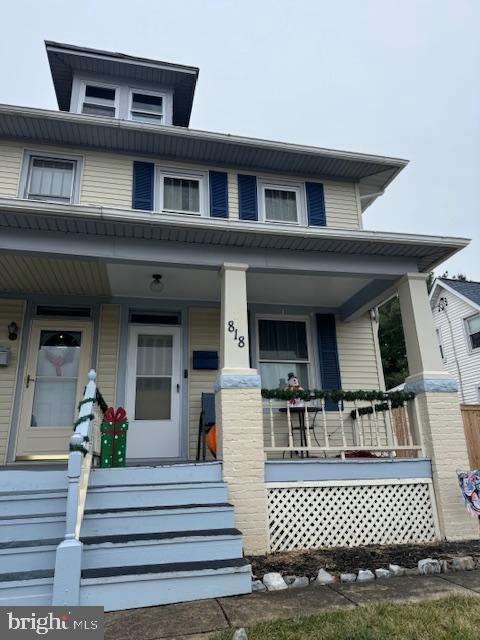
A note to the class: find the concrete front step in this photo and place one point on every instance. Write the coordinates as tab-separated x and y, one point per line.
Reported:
144	586
126	550
116	496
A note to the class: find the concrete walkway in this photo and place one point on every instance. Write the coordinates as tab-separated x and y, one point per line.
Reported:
201	619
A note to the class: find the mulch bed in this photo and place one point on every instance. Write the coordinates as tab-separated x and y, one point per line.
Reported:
345	559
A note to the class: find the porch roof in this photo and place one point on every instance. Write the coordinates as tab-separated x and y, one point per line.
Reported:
374	173
426	251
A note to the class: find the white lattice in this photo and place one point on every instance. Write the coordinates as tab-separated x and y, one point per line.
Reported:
308	517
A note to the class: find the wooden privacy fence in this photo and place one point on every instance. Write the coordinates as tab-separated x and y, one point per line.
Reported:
471	425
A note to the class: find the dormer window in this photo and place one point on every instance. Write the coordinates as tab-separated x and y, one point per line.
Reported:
147	107
99	100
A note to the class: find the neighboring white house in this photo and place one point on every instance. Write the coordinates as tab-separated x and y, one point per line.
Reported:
456	314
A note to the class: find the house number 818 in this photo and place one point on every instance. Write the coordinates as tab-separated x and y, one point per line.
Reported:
239	339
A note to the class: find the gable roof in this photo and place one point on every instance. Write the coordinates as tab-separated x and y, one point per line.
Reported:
467	291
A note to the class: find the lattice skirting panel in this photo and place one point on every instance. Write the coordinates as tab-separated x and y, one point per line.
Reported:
350	514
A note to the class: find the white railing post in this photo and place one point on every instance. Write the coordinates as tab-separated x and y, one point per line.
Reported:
342	429
290	427
68	560
272	423
325	426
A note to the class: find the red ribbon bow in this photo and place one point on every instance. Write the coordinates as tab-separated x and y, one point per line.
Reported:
109	415
120	415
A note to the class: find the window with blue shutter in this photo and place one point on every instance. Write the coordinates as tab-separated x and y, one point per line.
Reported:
247	197
315	204
142	192
218	194
328	355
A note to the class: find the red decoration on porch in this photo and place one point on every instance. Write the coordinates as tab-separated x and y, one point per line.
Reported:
211	440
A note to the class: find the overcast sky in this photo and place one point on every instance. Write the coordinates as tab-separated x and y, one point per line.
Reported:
398	78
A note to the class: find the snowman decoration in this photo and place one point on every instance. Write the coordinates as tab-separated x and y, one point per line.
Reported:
293	384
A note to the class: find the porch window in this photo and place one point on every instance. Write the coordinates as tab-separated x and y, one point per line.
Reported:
473	331
282	349
146	107
50	179
99	101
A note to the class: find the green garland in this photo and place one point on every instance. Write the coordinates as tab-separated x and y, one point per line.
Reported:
101	401
337	395
83	419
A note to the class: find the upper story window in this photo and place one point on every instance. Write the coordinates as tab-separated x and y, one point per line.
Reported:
283	349
473	331
147	107
282	202
50	179
180	192
98	100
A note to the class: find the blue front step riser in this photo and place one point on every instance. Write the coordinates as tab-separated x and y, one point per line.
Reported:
127	554
116	497
26	593
125	523
118	595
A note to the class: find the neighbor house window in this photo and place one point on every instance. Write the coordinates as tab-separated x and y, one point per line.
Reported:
440	343
473	331
147	107
281	203
99	101
182	193
282	349
51	179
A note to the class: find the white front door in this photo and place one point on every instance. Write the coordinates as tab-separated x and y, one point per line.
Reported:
58	360
153	385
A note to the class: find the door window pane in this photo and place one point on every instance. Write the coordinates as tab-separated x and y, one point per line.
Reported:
180	194
56	379
51	179
153	396
280	205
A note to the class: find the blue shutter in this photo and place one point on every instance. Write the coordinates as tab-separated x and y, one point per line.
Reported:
218	194
328	355
247	197
315	204
142	193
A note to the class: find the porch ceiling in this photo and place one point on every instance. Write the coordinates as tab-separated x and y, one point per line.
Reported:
52	276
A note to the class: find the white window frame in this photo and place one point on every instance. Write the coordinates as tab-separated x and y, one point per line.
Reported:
103	85
466	320
282	185
441	346
147	92
200	176
312	382
25	175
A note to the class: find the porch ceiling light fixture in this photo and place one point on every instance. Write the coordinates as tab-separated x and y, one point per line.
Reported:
12	329
156	284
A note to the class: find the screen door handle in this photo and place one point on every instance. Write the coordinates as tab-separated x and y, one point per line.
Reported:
178	388
28	380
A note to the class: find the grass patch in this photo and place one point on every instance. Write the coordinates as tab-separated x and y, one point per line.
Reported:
452	618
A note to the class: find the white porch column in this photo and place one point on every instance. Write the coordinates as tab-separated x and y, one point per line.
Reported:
438	403
239	414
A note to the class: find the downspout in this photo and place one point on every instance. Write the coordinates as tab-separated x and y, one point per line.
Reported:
442	306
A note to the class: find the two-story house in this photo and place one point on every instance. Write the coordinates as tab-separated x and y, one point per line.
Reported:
175	263
456	315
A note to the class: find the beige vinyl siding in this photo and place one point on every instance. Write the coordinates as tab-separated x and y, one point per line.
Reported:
10	311
10	165
357	355
108	351
204	335
341	205
107	181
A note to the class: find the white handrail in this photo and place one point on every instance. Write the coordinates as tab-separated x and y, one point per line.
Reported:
68	561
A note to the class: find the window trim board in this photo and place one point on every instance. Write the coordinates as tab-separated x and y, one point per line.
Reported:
95	83
466	319
162	171
298	187
27	156
147	92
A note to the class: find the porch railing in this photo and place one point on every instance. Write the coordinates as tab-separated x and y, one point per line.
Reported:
388	426
83	446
